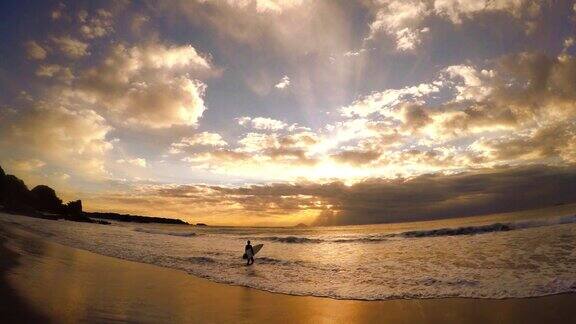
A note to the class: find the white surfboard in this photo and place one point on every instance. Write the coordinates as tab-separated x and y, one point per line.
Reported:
256	248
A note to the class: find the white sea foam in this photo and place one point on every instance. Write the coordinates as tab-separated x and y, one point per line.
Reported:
495	259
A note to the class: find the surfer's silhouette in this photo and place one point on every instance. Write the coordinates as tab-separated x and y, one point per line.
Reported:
249	253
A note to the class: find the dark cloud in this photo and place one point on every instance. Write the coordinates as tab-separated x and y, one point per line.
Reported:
431	196
555	141
356	157
415	116
440	196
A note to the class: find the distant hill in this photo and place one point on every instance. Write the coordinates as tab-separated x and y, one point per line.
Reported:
133	218
42	202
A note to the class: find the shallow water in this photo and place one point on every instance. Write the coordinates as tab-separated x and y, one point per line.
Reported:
496	256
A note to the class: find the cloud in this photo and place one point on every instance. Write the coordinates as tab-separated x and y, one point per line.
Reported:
34	51
55	71
254	142
384	116
262	123
283	83
466	118
427	196
401	19
529	89
25	165
261	6
71	47
259	154
58	12
381	102
138	22
149	85
518	112
476	84
457	10
357	52
74	140
269	24
405	21
356	157
554	141
175	102
200	139
467	194
96	25
323	28
140	162
526	90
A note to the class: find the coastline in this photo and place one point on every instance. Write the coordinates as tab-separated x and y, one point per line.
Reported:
41	279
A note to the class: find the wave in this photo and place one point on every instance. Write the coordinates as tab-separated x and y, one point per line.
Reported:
291	239
496	227
545	222
152	231
307	240
366	239
467	230
451	231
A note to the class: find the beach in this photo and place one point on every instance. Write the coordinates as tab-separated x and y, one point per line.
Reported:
43	280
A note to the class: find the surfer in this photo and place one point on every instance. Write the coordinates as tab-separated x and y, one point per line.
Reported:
249	253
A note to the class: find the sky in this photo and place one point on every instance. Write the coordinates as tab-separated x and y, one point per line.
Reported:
279	112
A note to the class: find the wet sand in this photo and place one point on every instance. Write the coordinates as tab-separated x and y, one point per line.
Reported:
43	281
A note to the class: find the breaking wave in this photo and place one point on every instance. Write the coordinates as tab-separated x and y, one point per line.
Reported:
467	230
455	231
496	227
367	239
291	239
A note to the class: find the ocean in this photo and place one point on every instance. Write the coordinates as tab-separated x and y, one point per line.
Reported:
512	255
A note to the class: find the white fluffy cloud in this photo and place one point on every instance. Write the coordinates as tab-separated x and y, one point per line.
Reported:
162	104
283	83
456	10
200	139
59	136
381	102
140	162
401	19
404	19
262	123
476	83
148	85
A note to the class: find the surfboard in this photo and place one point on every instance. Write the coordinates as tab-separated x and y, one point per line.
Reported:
256	248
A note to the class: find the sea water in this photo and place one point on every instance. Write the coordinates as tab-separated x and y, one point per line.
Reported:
482	257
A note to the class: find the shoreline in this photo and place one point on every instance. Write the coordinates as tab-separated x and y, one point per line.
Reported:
49	280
